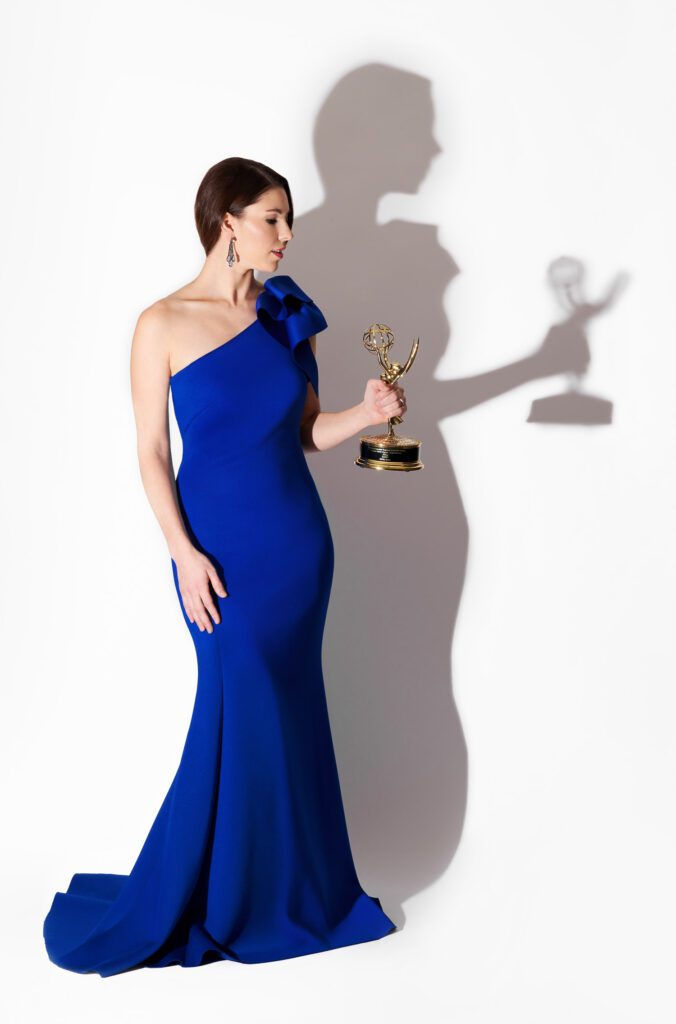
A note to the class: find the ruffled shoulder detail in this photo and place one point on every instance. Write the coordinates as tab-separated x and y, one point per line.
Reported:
291	317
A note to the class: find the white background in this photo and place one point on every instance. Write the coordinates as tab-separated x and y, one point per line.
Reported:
555	129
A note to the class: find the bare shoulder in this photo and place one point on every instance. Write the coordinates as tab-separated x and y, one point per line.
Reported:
150	342
186	324
152	321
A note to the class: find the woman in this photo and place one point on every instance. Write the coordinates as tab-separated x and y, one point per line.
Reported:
248	858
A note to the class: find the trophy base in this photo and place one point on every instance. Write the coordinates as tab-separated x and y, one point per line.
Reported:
382	451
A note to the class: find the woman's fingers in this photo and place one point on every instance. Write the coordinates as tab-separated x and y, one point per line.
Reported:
384	401
393	401
205	611
201	617
208	603
192	609
195	577
216	581
196	609
205	595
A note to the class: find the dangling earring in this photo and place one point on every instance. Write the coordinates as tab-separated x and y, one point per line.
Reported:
231	253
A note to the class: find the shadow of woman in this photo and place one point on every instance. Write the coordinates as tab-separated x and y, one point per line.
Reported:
401	539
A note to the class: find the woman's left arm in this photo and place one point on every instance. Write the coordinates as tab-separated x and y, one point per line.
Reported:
322	430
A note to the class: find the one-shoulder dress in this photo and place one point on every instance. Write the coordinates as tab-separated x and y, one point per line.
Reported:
248	858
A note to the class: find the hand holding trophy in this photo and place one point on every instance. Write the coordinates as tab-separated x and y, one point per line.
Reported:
388	451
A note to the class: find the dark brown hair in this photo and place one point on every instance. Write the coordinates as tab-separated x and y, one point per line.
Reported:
228	187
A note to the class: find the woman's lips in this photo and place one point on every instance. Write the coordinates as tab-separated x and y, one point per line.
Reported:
278	252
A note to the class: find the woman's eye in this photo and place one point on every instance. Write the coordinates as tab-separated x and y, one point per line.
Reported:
271	220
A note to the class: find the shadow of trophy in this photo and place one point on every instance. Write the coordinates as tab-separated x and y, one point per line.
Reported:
388	451
574	406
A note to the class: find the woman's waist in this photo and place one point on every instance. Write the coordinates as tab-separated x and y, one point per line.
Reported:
245	483
229	512
246	464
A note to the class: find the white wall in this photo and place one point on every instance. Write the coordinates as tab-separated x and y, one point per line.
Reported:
530	858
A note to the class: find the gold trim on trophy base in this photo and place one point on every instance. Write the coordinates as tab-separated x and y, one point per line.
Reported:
381	451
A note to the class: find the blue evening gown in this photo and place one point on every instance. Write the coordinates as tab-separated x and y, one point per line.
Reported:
248	858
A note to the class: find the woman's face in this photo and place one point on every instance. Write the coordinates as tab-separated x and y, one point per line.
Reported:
261	229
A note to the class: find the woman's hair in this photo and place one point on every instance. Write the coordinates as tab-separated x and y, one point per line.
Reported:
228	187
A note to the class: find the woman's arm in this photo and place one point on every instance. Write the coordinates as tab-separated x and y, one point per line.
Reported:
150	388
322	430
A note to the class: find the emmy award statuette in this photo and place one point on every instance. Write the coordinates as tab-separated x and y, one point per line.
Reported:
388	451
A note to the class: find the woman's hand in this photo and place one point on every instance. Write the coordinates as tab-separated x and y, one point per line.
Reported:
195	572
382	401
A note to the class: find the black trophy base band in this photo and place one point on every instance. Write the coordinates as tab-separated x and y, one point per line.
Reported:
392	456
